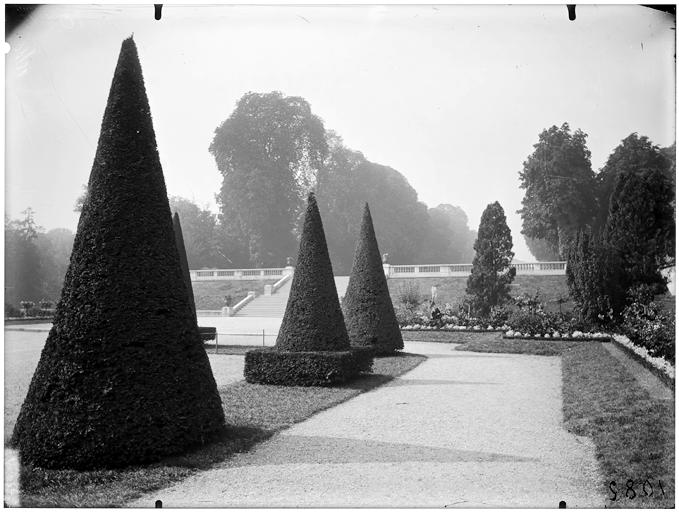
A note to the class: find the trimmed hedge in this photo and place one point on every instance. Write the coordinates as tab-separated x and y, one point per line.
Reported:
368	310
285	368
207	333
122	378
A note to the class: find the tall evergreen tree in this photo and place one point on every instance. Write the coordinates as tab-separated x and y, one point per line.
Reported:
594	279
313	318
122	378
369	312
179	239
491	273
641	227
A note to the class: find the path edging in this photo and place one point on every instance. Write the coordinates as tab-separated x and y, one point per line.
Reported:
664	378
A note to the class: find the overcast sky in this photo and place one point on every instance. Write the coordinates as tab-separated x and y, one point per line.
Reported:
453	97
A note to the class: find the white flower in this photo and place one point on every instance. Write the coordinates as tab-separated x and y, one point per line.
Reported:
509	333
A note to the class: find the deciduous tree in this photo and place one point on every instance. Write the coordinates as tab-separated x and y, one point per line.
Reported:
268	151
560	188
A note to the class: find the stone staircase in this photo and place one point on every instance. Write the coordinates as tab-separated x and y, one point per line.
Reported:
273	306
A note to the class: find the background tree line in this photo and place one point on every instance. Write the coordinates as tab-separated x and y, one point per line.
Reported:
272	150
35	260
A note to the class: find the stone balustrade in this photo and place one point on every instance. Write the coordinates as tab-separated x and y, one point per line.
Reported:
239	274
537	268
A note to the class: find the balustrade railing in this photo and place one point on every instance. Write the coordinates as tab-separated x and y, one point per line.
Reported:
464	269
244	274
394	271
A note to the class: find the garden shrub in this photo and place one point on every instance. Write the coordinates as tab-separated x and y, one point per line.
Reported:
499	315
646	325
12	311
368	311
409	294
207	333
122	378
271	366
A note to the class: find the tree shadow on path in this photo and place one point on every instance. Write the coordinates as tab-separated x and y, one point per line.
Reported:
296	449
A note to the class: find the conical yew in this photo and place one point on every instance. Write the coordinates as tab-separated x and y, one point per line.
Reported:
179	239
122	378
368	310
313	318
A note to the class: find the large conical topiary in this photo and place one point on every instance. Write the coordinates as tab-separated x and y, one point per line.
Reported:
312	348
122	378
183	261
313	317
368	310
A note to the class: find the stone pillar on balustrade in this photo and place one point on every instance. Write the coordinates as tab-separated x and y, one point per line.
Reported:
385	265
289	269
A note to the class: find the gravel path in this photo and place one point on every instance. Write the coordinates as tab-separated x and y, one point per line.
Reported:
461	430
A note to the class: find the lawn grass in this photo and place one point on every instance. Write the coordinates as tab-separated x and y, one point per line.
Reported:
492	342
449	336
633	433
497	344
253	412
229	350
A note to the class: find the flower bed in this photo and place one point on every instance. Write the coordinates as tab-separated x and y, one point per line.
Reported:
453	328
574	336
659	366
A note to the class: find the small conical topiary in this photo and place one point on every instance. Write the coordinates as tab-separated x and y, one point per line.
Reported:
312	348
368	310
313	318
122	378
179	239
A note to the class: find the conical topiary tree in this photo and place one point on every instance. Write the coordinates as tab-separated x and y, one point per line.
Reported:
181	249
368	310
122	378
312	347
206	333
313	317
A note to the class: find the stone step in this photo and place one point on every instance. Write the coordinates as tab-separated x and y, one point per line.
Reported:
273	306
